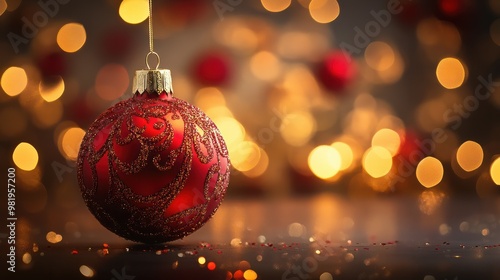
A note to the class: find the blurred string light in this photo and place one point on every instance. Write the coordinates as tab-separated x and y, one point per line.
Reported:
324	161
12	5
25	156
429	172
27	258
346	155
3	6
327	275
260	167
241	35
111	81
14	80
246	155
377	161
385	60
47	114
324	11
52	90
495	171
134	11
87	271
306	45
470	156
69	142
265	66
71	37
211	266
379	56
276	5
438	37
495	32
297	128
387	138
250	274
450	73
209	97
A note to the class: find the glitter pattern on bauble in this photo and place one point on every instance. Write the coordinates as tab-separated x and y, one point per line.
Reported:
153	168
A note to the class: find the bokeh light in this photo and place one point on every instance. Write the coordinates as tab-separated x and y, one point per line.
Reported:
429	172
275	5
245	155
324	11
495	32
379	55
231	129
265	66
297	128
470	156
346	154
52	90
324	161
388	139
25	156
495	171
14	80
71	37
377	161
3	6
450	73
26	256
261	167
87	271
438	37
209	97
211	266
327	275
70	141
250	274
12	5
47	114
111	81
134	11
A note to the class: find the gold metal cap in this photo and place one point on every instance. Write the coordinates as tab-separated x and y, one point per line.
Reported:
152	81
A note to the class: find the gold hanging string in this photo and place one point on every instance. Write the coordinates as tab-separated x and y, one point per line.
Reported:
151	46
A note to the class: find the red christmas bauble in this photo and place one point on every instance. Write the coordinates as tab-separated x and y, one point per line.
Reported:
336	70
153	168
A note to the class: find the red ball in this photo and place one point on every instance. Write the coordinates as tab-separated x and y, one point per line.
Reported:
336	71
153	168
212	69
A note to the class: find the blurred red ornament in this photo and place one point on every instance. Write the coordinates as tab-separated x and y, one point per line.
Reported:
116	43
153	168
80	111
52	64
411	13
336	71
212	69
181	13
413	149
451	8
